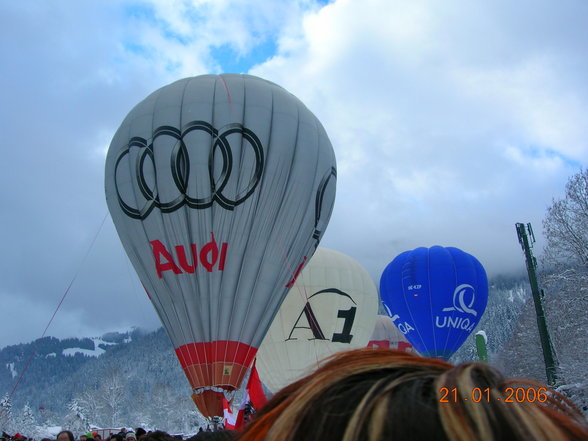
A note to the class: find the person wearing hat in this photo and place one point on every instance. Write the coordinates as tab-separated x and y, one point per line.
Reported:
130	436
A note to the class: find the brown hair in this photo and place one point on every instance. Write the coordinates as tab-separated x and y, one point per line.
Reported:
383	394
69	433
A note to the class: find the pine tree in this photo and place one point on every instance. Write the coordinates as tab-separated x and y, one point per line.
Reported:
26	423
112	391
564	280
90	406
75	420
506	299
6	414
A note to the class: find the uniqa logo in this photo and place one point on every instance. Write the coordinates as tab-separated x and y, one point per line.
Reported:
460	295
403	326
463	300
456	322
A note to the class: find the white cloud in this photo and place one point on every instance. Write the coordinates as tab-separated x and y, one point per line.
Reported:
32	319
538	101
451	121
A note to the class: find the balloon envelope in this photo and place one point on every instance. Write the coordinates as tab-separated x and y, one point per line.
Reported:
332	307
387	335
220	187
435	296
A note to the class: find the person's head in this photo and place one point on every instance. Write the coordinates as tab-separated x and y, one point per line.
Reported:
218	435
65	435
375	395
158	435
130	436
140	432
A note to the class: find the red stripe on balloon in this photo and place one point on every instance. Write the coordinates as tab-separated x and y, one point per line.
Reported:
215	352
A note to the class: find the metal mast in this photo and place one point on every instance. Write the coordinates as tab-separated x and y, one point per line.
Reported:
548	352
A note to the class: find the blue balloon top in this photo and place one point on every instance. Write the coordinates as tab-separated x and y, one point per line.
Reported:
435	296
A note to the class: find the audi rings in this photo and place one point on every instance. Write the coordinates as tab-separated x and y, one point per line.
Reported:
180	168
321	219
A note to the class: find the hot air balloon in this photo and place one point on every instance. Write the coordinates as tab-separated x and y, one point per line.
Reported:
220	188
332	307
435	296
387	335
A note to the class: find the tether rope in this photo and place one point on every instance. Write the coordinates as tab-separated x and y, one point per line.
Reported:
34	352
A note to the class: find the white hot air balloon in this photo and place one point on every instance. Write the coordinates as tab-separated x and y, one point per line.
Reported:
387	335
220	188
332	307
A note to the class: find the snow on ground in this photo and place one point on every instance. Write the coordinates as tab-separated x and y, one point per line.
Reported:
10	367
98	341
96	352
70	352
50	430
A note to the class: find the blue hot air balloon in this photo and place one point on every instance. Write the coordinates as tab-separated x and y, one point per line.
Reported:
435	296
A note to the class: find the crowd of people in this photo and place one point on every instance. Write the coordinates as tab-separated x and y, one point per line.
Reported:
215	432
382	394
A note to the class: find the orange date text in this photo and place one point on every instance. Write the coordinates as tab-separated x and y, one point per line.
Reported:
484	395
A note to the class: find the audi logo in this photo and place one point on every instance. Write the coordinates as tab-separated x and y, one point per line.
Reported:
321	219
180	169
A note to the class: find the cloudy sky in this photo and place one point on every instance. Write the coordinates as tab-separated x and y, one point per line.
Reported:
451	120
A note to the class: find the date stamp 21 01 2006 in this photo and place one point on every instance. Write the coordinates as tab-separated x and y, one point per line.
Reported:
484	395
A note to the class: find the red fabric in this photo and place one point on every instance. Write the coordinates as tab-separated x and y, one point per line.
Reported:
256	394
216	351
404	346
401	346
378	344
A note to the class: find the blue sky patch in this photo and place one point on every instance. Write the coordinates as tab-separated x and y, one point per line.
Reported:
537	152
231	62
140	11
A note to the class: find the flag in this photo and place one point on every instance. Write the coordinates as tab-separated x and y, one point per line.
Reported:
233	421
255	389
254	396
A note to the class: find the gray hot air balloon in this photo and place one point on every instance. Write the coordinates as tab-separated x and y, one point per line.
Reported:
220	187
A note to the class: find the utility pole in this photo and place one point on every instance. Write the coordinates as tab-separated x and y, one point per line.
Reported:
548	353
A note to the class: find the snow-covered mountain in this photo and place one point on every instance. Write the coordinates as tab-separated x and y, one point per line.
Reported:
119	379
